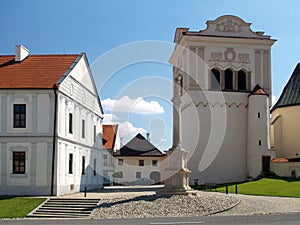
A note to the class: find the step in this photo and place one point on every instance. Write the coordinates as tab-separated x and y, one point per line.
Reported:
65	208
73	207
75	199
53	211
56	216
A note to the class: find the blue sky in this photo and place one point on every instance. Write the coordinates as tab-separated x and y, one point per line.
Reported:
97	26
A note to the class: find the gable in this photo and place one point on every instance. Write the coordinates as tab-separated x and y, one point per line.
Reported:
231	26
82	74
79	84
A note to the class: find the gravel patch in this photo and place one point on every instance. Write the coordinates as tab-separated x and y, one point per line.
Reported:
203	203
261	205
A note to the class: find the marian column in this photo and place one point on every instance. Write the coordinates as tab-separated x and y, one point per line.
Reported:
177	173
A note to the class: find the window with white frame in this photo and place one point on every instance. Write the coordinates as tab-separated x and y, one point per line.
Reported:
19	116
19	162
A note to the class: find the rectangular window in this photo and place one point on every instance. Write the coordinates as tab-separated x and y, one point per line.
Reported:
154	163
259	142
70	163
120	162
83	129
19	162
95	135
19	116
141	162
105	160
258	115
138	175
95	167
83	166
70	123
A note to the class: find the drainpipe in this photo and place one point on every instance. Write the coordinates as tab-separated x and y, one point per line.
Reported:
54	141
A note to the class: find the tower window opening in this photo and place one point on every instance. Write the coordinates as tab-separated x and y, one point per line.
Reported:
228	80
242	81
215	79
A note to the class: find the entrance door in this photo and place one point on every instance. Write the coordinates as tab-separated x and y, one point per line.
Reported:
155	175
266	159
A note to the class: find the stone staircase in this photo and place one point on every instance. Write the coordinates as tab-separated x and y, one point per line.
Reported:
65	208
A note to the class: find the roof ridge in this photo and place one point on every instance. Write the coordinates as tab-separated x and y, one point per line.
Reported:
52	54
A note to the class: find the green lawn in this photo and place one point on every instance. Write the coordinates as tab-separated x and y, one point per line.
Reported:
267	187
18	207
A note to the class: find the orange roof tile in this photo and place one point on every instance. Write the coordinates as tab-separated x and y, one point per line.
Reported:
35	71
109	136
280	160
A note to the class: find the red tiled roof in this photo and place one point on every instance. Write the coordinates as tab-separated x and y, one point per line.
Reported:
109	136
35	71
280	160
258	90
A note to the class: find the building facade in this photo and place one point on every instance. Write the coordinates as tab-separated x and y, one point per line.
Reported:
111	143
224	75
284	128
51	124
139	159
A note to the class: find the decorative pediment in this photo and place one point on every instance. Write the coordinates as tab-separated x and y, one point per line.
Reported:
231	26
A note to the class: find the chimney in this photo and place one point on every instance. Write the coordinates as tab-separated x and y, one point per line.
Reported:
121	142
148	136
21	53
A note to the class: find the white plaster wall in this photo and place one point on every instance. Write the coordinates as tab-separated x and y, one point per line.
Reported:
43	112
285	169
226	162
42	156
131	166
258	130
89	180
78	96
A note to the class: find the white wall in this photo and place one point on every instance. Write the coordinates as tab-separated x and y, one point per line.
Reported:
131	166
36	140
78	96
285	169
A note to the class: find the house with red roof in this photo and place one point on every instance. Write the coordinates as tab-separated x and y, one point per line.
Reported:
139	162
111	143
51	124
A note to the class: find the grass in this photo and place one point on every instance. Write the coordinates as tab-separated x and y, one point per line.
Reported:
18	207
282	187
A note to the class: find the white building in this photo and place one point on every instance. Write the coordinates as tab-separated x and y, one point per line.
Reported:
139	159
111	143
51	124
224	73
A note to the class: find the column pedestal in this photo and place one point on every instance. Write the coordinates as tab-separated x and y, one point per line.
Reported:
176	177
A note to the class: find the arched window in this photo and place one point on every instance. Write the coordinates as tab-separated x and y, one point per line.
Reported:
215	79
242	81
228	80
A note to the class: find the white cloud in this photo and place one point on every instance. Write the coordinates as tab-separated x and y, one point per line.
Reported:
109	118
274	99
127	130
128	105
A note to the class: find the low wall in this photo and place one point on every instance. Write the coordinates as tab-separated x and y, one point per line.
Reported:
284	169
